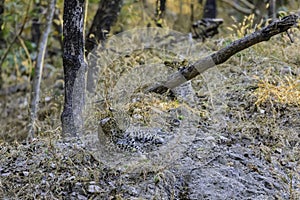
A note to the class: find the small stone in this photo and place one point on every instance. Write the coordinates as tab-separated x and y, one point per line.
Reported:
159	141
53	165
210	139
25	173
262	111
223	139
175	122
51	175
137	116
278	150
71	178
81	197
5	174
286	70
47	99
94	189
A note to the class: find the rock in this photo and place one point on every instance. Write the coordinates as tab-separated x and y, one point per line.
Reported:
94	189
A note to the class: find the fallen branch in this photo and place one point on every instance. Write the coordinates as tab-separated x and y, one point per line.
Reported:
224	54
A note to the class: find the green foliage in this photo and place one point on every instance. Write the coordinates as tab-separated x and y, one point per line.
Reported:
13	15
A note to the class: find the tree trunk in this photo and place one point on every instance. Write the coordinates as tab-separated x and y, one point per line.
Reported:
160	11
35	97
106	16
272	9
224	54
74	66
210	9
2	42
36	24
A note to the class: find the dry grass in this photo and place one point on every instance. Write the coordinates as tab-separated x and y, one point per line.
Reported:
284	90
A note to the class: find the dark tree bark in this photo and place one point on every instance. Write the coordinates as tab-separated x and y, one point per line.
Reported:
210	9
192	11
36	23
105	17
272	9
74	66
160	11
224	54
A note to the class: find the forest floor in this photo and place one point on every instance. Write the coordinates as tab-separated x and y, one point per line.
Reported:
245	145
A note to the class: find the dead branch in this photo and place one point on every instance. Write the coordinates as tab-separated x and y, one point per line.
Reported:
191	71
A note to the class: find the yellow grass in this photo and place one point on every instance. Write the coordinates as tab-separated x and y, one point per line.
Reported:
283	90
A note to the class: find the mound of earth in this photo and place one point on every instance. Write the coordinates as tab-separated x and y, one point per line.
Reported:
240	151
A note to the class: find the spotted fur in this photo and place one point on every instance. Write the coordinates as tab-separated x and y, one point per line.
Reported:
130	140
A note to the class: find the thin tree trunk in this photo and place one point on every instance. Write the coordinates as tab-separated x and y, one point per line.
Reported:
74	66
1	23
35	97
224	54
2	42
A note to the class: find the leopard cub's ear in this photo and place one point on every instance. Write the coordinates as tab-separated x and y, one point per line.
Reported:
104	126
